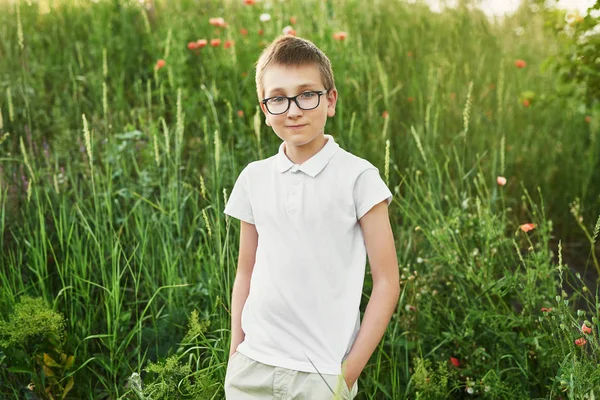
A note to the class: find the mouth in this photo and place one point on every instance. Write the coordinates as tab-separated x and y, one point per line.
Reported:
295	127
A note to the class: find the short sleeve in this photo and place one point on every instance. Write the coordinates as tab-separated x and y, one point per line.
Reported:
369	190
238	205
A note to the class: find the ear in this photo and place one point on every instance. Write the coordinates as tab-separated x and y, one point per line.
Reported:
332	96
264	110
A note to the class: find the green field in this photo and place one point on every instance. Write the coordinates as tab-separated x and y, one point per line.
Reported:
117	262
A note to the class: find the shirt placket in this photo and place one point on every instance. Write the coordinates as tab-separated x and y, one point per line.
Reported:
294	192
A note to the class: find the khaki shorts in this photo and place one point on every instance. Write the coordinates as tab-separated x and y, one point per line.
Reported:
249	379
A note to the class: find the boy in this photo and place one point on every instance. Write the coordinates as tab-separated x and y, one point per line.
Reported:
308	217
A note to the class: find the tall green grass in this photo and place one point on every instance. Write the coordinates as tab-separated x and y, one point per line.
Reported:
114	176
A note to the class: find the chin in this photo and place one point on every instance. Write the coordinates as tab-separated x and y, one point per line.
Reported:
301	138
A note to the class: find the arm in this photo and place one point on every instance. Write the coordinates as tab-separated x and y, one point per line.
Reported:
381	250
241	286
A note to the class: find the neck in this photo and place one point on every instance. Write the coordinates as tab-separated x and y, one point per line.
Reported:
300	154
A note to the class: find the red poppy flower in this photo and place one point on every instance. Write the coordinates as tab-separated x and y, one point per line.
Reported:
410	99
544	309
580	342
526	103
240	113
215	42
409	54
220	22
455	361
288	30
501	180
385	114
341	36
201	43
192	45
159	64
244	74
527	227
588	118
293	20
586	329
520	64
228	44
261	32
249	2
244	31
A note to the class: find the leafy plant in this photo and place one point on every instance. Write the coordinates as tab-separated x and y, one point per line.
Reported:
32	339
578	60
174	379
431	383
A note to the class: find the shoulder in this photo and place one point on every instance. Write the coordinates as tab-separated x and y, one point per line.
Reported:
352	164
259	167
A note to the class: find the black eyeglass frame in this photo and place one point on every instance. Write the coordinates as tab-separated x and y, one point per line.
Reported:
295	99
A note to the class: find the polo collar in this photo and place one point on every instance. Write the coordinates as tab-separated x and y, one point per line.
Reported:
313	165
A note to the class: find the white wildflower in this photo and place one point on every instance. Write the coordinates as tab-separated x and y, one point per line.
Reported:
571	16
465	203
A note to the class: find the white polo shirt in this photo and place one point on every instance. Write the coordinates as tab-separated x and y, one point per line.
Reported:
308	277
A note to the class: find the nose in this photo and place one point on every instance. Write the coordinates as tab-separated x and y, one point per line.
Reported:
294	110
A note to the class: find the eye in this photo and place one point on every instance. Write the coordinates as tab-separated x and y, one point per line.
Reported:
308	95
277	100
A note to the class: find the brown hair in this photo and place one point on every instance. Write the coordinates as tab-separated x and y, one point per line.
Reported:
289	50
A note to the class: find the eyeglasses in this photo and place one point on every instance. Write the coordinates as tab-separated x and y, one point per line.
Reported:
305	101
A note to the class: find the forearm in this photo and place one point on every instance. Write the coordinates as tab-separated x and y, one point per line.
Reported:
241	289
381	307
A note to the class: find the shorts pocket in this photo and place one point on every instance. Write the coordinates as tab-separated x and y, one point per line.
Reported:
353	391
231	366
349	393
344	387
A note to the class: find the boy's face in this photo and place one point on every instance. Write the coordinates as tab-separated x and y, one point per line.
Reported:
297	127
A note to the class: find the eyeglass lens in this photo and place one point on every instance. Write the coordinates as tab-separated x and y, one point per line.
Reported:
306	101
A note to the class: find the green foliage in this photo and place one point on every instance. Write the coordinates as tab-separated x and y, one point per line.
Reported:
33	338
31	323
476	288
578	61
572	339
196	328
123	226
491	386
431	383
173	379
